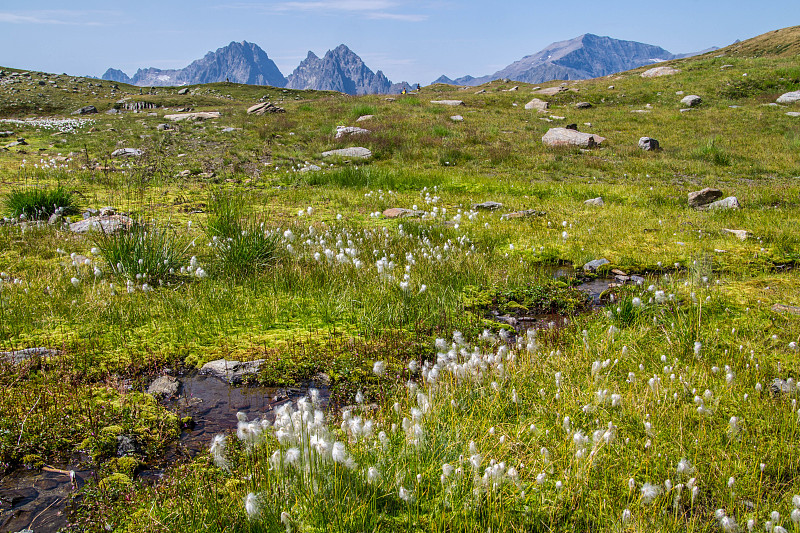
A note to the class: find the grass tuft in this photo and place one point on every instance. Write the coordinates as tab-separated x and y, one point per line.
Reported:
39	203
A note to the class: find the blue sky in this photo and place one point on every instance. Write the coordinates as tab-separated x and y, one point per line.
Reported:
408	40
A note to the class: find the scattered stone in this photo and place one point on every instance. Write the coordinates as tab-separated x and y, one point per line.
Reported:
649	144
126	445
457	118
659	71
163	127
232	371
515	88
539	105
264	108
205	115
573	127
638	280
731	202
183	91
164	387
18	356
86	110
595	201
390	99
691	101
583	105
228	130
525	213
490	205
704	197
793	113
56	219
593	265
357	151
6	133
741	234
448	102
568	137
783	386
126	152
108	224
310	168
481	91
789	98
782	308
341	131
362	118
399	212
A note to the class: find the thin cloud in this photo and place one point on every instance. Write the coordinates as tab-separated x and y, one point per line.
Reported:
371	9
397	16
328	5
60	18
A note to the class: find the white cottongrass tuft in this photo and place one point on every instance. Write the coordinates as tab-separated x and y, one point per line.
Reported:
650	492
379	368
251	506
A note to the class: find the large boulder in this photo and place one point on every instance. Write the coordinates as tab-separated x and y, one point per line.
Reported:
789	98
204	115
108	224
231	371
649	144
85	110
18	356
341	131
539	105
691	101
592	266
731	202
164	387
126	152
448	102
356	151
704	197
597	202
264	108
568	137
401	212
659	71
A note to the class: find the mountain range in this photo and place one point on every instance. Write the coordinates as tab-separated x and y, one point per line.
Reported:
584	57
340	69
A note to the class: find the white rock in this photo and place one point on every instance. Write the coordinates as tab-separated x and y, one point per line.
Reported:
659	71
789	98
448	102
357	151
341	131
595	201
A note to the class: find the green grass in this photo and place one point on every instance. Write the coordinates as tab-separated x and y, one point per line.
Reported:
38	203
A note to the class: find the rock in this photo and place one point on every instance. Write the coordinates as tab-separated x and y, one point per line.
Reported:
490	205
399	212
793	113
18	356
567	137
6	133
726	203
108	224
783	386
310	168
91	213
457	118
595	201
649	144
659	71
592	266
357	151
782	308
55	219
184	173
164	387
206	115
232	371
86	110
183	91
362	118
126	152
583	105
126	445
741	234
264	108
550	91
163	127
704	197
341	131
789	98
482	91
228	130
523	214
691	101
638	280
448	102
539	105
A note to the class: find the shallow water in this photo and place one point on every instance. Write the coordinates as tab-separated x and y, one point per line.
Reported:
37	500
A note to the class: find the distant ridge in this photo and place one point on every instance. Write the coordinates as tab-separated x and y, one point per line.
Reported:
238	62
584	57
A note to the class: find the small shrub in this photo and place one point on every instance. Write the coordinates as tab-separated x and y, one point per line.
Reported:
146	253
39	203
710	151
241	244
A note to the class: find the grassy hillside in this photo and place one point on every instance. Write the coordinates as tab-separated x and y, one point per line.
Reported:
652	408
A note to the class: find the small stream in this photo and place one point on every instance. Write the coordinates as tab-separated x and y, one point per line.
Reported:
38	500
